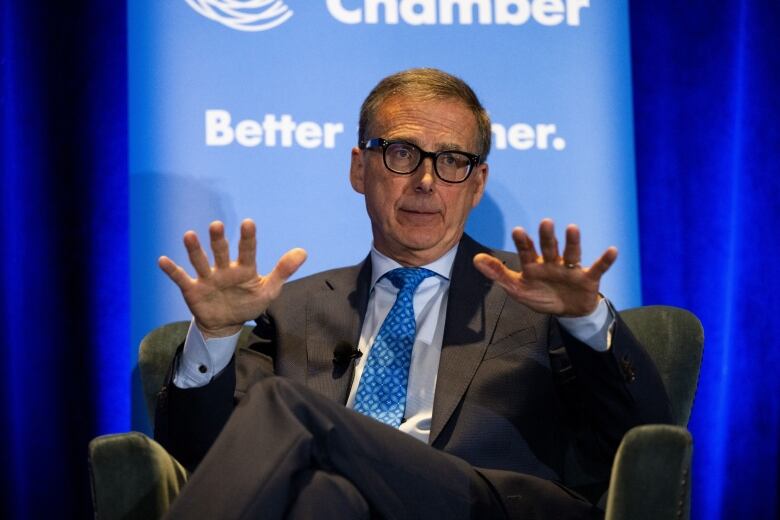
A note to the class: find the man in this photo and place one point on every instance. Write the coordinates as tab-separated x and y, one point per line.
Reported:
512	370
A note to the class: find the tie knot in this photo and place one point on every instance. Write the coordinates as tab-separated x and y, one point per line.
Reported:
408	278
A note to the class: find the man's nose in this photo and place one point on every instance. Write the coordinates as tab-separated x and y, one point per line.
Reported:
425	174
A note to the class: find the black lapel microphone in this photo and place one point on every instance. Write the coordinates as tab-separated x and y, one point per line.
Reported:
344	353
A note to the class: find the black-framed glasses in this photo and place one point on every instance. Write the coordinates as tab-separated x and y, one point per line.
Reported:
404	158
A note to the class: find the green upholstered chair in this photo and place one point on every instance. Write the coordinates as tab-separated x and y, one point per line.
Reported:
133	477
651	474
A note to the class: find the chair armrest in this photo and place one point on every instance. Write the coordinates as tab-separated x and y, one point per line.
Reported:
132	477
651	475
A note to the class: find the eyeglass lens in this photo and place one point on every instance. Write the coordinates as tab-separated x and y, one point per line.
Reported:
406	157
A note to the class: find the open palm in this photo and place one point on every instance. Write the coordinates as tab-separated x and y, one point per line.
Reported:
224	296
550	283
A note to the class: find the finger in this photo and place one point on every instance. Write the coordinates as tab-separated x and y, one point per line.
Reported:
174	272
247	244
197	255
572	251
526	249
285	268
219	244
603	264
494	269
547	241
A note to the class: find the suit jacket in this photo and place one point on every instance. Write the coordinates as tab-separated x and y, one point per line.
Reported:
515	392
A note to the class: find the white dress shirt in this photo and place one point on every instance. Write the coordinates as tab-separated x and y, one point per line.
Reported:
202	359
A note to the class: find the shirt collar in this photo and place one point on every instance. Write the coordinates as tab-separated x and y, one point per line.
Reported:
381	264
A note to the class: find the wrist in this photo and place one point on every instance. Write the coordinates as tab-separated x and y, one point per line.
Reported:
217	332
583	310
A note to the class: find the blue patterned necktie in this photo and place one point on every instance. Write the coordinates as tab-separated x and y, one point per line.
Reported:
381	393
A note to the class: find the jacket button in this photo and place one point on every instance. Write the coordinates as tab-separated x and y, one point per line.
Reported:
629	372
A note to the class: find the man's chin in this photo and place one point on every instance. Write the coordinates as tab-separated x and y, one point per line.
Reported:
428	247
420	238
414	244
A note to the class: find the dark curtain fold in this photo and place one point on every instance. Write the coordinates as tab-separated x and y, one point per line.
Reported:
707	120
64	313
706	83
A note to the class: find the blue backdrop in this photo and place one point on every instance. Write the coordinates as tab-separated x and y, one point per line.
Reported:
705	77
207	101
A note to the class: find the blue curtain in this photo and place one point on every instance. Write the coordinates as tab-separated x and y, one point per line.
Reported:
707	114
706	83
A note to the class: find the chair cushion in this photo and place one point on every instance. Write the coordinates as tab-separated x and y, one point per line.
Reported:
132	477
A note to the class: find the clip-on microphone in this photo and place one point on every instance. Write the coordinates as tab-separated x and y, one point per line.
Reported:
344	353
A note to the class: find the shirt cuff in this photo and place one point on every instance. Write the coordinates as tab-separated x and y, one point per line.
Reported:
202	359
595	329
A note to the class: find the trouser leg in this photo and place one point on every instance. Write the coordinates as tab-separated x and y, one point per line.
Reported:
325	496
281	429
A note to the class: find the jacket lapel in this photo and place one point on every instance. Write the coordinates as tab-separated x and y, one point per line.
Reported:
334	316
473	307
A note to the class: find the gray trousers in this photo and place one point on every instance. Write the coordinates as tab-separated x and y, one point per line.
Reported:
288	452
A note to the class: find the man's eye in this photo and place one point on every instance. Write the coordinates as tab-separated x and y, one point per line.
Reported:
454	160
402	152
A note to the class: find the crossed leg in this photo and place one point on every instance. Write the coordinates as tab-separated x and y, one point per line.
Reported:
282	435
288	452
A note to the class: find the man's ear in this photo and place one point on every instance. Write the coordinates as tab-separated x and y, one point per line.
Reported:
480	175
357	170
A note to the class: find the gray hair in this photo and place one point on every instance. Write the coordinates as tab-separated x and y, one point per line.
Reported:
426	84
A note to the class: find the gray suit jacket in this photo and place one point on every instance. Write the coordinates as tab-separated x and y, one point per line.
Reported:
514	391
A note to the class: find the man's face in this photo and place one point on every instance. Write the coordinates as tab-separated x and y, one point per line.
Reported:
417	218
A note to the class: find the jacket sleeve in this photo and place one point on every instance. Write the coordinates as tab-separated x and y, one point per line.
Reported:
187	421
605	395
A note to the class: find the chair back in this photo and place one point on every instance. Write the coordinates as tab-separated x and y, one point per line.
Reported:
674	338
651	477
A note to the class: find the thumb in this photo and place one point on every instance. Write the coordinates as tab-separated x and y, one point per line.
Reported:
491	267
286	267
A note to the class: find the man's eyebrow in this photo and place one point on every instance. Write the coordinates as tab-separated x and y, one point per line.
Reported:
410	140
451	146
439	147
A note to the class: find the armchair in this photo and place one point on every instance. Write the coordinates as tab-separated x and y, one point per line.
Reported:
134	477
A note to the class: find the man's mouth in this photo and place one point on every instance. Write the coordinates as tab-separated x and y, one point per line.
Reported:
419	216
420	211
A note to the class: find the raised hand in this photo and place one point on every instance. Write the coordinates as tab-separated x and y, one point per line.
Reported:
223	297
550	283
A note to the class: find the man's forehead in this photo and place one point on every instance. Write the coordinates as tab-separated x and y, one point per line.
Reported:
422	103
404	117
